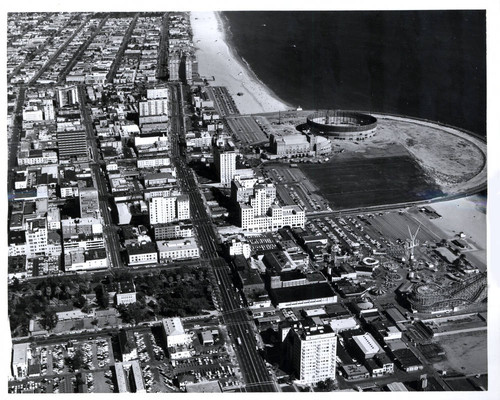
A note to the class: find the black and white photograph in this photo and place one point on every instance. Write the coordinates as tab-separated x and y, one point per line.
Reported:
211	198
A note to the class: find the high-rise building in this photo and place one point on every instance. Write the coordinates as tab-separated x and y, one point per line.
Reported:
312	352
174	64
89	202
67	96
163	210
259	211
183	212
224	160
190	58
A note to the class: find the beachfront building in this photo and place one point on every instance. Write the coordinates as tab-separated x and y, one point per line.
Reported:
313	352
295	145
259	210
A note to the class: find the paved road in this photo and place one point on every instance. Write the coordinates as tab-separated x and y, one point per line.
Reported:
255	373
121	50
14	139
41	48
112	240
58	52
76	56
162	69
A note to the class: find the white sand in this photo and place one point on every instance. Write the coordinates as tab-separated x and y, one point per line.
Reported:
466	215
217	59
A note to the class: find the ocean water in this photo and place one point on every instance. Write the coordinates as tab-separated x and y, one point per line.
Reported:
425	64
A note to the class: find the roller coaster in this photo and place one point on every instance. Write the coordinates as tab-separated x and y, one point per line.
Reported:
431	298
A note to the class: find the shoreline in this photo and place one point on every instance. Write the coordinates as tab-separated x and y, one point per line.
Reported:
218	58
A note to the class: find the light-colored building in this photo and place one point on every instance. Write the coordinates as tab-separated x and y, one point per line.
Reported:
81	260
260	213
67	96
238	246
224	160
174	332
313	353
179	249
20	357
367	345
36	236
163	210
126	293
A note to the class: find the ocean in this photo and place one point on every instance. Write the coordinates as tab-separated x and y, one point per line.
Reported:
425	64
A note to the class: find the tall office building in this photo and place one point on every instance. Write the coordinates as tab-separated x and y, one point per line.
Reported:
163	210
224	160
312	352
89	202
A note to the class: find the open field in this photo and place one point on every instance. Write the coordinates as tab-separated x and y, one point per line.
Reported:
361	181
454	160
465	353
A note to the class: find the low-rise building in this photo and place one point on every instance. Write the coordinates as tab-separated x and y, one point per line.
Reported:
140	254
180	249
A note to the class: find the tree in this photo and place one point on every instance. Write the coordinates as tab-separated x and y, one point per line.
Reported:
75	362
102	296
49	320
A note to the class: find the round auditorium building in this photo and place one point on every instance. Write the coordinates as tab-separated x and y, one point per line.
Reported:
343	125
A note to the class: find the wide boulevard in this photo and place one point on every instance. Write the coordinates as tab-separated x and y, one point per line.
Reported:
236	318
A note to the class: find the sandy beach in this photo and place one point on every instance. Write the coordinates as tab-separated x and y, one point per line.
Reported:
217	59
466	215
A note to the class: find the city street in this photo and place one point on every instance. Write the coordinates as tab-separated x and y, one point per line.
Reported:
255	373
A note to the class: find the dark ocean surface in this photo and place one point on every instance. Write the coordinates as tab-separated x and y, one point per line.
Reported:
425	64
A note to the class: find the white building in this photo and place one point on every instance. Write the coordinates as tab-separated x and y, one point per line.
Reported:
126	293
20	356
367	345
225	160
174	332
179	249
36	237
163	210
153	107
260	213
313	353
238	247
81	260
157	93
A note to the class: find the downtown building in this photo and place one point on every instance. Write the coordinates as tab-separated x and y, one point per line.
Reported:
312	351
225	155
259	210
89	202
163	210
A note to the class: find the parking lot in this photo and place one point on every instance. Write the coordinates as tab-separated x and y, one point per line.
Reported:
295	188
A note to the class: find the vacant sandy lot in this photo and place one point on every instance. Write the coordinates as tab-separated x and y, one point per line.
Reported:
465	354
